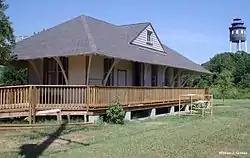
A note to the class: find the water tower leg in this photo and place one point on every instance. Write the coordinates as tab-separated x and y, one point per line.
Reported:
245	46
239	48
230	46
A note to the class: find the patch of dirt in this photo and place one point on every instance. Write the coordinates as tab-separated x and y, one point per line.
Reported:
8	144
63	142
221	106
75	137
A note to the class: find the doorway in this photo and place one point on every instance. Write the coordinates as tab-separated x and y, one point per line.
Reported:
138	74
121	77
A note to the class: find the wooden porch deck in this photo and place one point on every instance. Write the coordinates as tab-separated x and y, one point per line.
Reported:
90	99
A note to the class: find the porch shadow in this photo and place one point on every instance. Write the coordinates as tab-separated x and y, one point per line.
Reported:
35	150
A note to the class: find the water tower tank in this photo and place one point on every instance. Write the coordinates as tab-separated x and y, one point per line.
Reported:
237	34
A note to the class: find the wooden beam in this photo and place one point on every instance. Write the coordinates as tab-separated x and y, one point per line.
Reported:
179	79
183	84
57	59
178	73
36	71
185	81
109	72
88	70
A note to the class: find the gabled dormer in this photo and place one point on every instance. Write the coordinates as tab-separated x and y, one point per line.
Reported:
149	39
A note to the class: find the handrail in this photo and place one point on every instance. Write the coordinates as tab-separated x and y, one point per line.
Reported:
102	86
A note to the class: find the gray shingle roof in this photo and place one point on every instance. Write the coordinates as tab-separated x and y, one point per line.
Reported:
87	35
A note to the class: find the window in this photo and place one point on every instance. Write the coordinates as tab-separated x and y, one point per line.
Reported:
149	38
237	31
53	74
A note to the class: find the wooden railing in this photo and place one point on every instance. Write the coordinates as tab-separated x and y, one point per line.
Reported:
101	96
14	97
81	97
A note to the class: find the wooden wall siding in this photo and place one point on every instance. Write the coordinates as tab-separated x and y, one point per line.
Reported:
77	70
81	97
96	70
33	78
127	66
141	40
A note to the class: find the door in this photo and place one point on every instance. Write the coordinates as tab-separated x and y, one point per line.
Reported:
121	78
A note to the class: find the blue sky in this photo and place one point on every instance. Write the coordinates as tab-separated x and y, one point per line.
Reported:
198	29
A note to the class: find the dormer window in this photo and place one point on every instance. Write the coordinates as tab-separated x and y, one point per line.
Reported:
149	38
149	34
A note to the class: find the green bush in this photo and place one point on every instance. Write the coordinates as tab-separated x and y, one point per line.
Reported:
115	113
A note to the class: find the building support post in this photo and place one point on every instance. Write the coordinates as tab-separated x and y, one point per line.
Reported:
109	72
93	119
36	71
172	110
57	59
153	112
186	108
127	115
88	70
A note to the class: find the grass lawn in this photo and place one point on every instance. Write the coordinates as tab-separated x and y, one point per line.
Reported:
170	136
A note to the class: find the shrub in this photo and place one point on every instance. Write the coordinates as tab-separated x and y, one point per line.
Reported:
115	113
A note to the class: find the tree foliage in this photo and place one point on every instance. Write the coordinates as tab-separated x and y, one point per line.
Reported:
13	76
9	74
7	39
230	78
224	83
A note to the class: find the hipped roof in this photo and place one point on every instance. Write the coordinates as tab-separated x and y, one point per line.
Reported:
87	35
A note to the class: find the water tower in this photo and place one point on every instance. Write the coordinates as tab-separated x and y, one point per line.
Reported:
238	35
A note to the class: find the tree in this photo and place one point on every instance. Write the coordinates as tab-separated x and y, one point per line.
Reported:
237	64
9	75
7	39
224	83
